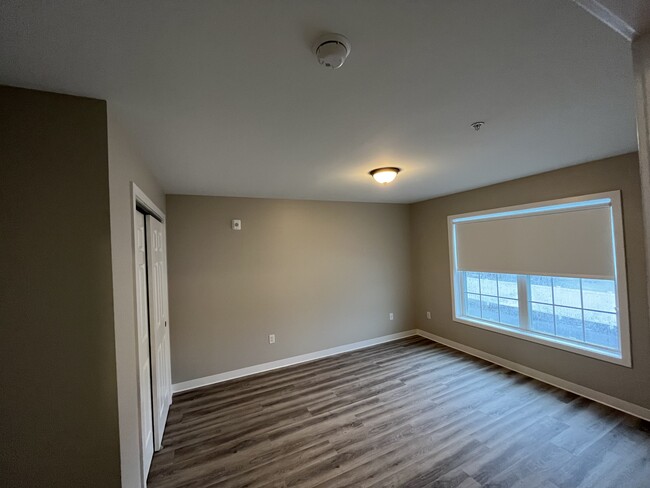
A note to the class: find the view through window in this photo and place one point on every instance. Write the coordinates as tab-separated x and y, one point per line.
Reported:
551	272
575	309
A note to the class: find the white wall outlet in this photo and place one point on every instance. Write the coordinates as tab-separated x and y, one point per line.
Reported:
429	315
235	224
271	338
391	316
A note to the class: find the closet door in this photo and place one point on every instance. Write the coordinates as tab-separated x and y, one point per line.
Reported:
144	362
158	326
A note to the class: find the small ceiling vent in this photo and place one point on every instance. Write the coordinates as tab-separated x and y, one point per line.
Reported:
477	125
332	50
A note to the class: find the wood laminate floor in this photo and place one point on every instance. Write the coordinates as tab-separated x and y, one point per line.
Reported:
409	413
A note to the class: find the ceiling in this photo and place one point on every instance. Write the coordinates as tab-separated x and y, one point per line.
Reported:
225	97
630	18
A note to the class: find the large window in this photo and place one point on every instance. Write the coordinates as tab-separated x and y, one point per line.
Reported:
551	272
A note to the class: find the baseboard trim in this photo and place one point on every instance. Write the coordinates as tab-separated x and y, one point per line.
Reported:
610	401
283	363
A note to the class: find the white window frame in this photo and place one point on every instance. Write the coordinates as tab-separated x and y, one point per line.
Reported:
624	359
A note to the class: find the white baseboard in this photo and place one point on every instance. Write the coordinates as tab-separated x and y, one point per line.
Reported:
283	363
610	401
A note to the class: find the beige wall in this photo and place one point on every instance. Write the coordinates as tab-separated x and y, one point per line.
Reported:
316	274
641	61
58	398
125	166
432	287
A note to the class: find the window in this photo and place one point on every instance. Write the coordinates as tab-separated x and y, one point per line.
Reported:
551	272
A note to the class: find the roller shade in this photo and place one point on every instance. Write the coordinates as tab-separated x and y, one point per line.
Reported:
569	242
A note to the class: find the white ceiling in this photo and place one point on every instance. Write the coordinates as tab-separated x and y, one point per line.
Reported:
226	98
631	18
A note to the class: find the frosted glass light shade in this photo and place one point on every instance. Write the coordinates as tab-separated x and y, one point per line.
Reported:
384	175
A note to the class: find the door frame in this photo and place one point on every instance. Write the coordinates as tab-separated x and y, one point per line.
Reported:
140	199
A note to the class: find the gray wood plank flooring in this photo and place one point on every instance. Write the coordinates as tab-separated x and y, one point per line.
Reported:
409	413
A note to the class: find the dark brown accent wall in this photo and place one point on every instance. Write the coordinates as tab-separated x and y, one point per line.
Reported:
431	282
58	397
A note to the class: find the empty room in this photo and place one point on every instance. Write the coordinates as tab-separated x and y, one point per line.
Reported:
325	243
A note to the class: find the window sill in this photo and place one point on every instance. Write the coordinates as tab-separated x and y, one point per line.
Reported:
557	343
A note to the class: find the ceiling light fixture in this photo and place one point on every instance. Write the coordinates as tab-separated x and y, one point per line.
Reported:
384	175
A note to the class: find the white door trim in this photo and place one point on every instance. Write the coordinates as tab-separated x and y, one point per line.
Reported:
140	198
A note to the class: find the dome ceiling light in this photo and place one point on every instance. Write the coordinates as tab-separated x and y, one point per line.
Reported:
384	175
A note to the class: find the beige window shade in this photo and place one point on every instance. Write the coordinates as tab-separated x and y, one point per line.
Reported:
576	242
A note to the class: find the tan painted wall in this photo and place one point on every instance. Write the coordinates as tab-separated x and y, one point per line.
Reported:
126	166
432	287
641	61
317	274
58	399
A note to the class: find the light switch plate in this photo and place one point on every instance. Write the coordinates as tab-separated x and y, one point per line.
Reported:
236	224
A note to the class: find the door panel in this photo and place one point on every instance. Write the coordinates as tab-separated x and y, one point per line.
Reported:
144	370
158	328
168	366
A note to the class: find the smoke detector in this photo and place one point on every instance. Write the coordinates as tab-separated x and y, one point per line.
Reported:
332	50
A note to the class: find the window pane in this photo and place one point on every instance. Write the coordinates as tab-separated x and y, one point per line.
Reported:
601	329
568	323
489	308
566	291
541	318
578	309
599	295
489	284
509	311
541	289
471	282
508	286
473	305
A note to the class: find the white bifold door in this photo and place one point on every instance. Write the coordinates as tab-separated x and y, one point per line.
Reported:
158	326
144	366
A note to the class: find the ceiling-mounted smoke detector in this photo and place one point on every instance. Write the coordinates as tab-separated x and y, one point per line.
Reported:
332	50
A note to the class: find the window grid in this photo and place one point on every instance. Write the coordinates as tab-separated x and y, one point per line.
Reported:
525	302
523	292
575	340
582	313
498	299
569	306
496	279
552	305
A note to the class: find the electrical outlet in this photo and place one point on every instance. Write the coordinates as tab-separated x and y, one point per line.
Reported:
429	315
271	338
391	316
235	224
